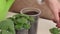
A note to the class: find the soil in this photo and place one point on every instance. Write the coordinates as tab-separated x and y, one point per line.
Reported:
31	13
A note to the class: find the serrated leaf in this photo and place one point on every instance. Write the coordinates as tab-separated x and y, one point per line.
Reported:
54	31
22	20
26	26
18	27
32	19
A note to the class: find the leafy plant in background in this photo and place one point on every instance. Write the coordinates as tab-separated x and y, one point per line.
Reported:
7	27
55	31
22	21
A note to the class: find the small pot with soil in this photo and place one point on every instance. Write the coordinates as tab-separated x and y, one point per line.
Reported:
34	12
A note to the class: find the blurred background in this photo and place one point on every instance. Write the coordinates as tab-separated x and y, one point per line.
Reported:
40	4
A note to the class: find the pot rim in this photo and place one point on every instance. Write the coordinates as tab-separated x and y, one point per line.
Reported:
37	10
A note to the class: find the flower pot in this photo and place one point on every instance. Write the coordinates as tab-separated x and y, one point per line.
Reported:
34	12
23	31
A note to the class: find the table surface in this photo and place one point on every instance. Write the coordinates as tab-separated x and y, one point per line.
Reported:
43	25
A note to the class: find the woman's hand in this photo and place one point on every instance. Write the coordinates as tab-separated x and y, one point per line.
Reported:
56	18
55	7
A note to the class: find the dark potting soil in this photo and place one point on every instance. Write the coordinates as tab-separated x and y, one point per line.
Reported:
31	13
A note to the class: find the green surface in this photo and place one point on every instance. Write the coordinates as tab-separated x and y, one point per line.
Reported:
4	7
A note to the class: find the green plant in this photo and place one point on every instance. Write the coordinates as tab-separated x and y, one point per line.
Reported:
18	22
7	27
55	31
22	21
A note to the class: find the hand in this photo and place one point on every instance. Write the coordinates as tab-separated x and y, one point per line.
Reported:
55	6
57	18
56	14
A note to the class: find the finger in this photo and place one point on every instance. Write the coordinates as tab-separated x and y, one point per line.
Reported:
54	20
57	16
58	25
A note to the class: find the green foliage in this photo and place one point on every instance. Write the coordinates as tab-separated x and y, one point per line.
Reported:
7	27
22	21
26	26
18	22
55	31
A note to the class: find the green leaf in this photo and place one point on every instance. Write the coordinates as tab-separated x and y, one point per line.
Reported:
16	16
6	32
32	19
22	20
54	31
18	27
26	26
12	18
